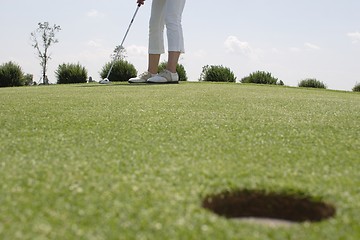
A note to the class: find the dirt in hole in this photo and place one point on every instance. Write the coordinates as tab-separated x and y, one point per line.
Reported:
261	204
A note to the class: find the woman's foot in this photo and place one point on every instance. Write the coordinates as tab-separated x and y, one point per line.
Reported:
142	78
164	77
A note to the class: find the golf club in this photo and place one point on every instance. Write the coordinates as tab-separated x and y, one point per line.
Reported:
106	80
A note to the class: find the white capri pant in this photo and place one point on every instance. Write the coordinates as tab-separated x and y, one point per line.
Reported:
169	13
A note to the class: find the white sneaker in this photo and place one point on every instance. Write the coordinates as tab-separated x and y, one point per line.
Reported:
142	78
164	77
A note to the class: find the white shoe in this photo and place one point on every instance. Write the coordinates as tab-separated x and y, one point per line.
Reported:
164	77
142	78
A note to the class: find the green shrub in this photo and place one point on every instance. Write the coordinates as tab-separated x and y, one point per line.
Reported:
121	72
261	77
356	87
217	74
71	73
28	79
11	75
311	83
179	69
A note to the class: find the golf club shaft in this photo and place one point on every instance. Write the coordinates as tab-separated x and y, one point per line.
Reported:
121	45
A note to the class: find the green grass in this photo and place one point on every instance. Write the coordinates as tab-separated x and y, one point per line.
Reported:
135	162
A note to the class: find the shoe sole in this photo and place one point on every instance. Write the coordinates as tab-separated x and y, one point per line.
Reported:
172	82
136	82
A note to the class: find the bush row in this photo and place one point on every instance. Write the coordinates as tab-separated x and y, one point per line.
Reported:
11	74
312	83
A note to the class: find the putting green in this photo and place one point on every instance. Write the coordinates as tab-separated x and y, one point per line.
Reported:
127	161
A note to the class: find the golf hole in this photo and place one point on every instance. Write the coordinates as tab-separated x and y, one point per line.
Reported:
261	206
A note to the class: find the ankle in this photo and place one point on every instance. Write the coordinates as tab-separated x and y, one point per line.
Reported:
152	72
171	71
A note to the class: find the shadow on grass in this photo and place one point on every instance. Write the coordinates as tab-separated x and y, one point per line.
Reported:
116	85
125	84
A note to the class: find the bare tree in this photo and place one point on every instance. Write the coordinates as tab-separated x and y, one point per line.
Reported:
119	53
46	33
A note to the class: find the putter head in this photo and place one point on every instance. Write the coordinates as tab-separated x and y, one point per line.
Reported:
105	81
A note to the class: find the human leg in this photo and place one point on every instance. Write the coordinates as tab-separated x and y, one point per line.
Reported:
156	27
173	16
173	59
156	34
153	63
167	12
156	41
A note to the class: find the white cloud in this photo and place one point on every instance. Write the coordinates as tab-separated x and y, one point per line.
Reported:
307	45
136	51
311	46
94	13
234	45
355	36
295	49
199	53
275	51
94	43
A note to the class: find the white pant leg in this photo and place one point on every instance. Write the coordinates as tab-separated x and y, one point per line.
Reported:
156	27
169	13
173	15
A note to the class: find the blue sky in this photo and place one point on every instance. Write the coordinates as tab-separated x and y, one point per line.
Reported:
293	40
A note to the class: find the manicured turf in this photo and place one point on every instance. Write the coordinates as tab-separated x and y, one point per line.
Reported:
135	162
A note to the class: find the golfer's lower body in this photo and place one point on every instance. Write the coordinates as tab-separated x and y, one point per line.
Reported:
164	13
